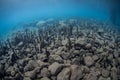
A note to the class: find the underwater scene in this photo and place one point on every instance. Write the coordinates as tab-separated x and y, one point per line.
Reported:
59	39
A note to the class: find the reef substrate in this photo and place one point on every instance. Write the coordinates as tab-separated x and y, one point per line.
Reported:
68	49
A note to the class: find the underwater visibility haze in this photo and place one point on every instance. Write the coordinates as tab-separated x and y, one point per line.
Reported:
16	12
59	39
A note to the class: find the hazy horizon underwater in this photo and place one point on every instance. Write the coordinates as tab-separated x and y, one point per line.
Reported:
59	39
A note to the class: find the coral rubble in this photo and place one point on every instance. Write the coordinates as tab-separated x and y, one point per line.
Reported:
69	49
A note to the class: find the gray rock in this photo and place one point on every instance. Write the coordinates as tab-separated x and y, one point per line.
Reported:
42	64
76	52
30	74
86	69
45	78
9	70
95	57
102	78
22	62
76	72
75	60
45	72
65	56
116	54
114	73
64	74
41	57
95	71
55	68
20	44
53	77
109	78
31	65
27	78
105	73
110	57
90	77
56	58
88	61
88	46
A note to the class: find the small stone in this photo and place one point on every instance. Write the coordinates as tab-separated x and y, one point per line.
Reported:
79	43
30	74
42	57
88	61
108	78
20	44
110	57
76	52
53	77
45	78
55	68
76	72
75	61
45	72
105	73
64	74
13	73
102	78
42	64
27	78
9	70
86	69
22	62
64	42
56	58
114	73
31	65
95	57
65	56
90	77
116	54
88	46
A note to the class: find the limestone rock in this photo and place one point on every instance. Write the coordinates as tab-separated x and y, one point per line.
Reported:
105	73
91	77
55	68
76	72
45	78
30	74
88	46
56	58
31	65
45	72
64	74
88	61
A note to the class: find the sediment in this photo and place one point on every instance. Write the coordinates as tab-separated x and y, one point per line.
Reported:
68	49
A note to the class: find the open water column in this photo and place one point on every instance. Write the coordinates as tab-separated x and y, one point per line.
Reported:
59	39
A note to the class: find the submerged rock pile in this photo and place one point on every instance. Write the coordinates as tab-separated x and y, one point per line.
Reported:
62	50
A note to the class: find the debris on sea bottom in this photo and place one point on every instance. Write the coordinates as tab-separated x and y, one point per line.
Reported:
69	49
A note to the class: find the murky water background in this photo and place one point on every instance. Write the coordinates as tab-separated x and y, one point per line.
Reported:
17	12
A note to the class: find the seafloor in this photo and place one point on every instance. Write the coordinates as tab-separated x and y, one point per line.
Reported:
67	49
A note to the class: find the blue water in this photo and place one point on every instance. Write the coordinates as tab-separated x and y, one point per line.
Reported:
13	13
